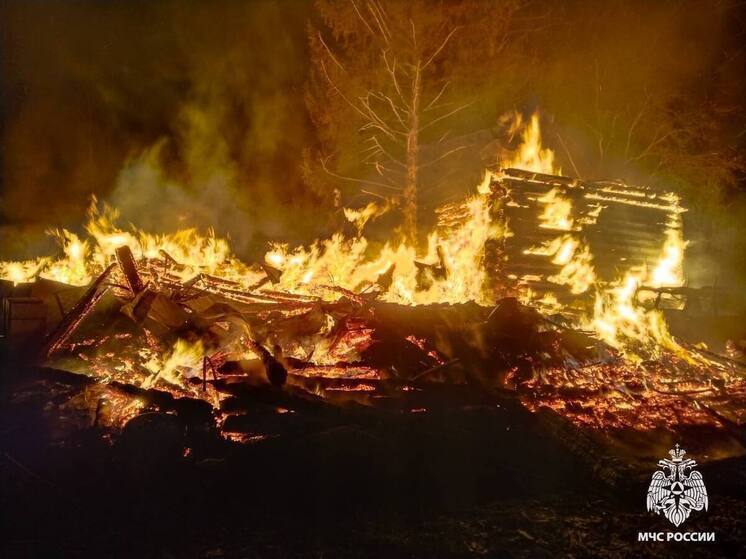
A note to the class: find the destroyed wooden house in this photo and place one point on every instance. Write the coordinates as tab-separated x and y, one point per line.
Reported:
611	226
622	225
143	323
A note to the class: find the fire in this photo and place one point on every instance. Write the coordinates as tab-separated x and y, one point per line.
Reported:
577	271
617	317
575	258
299	300
565	249
621	321
546	303
359	217
557	211
73	268
531	156
22	272
669	271
84	259
450	270
183	359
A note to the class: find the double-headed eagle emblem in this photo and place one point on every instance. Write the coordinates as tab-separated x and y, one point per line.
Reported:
677	489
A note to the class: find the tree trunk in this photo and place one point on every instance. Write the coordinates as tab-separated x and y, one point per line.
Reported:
409	205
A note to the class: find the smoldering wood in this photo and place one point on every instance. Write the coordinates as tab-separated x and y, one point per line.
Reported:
276	372
127	264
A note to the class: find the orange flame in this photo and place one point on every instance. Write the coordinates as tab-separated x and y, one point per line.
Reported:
531	156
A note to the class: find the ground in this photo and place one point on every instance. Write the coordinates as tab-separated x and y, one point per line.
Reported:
455	482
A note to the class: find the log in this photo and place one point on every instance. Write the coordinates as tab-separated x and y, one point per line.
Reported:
127	264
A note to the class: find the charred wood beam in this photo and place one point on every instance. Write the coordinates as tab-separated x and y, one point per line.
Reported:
273	274
168	258
127	264
439	367
77	314
539	177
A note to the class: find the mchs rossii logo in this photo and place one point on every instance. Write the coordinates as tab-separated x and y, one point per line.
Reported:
676	490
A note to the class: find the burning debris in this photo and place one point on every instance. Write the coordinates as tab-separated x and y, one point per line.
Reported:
385	325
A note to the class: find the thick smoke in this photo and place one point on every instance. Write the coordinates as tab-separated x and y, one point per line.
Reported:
178	113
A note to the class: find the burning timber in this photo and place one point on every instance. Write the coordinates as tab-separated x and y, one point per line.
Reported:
212	339
537	289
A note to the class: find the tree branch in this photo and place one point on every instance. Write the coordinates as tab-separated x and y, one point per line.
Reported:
651	145
395	109
443	156
440	48
379	16
451	113
361	17
634	125
376	118
569	156
381	150
328	50
435	99
339	92
358	181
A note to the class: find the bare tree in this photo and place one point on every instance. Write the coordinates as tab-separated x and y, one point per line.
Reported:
381	75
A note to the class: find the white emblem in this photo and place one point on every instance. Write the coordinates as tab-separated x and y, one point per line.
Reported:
677	489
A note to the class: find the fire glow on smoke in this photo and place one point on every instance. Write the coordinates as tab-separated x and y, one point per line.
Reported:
452	265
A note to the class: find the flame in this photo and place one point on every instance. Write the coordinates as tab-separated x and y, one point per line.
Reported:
546	303
449	268
175	364
73	268
22	272
621	321
531	156
484	186
577	271
669	271
557	210
576	260
359	217
449	271
82	260
624	324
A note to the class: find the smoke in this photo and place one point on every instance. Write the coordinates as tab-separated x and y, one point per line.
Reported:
178	113
185	113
